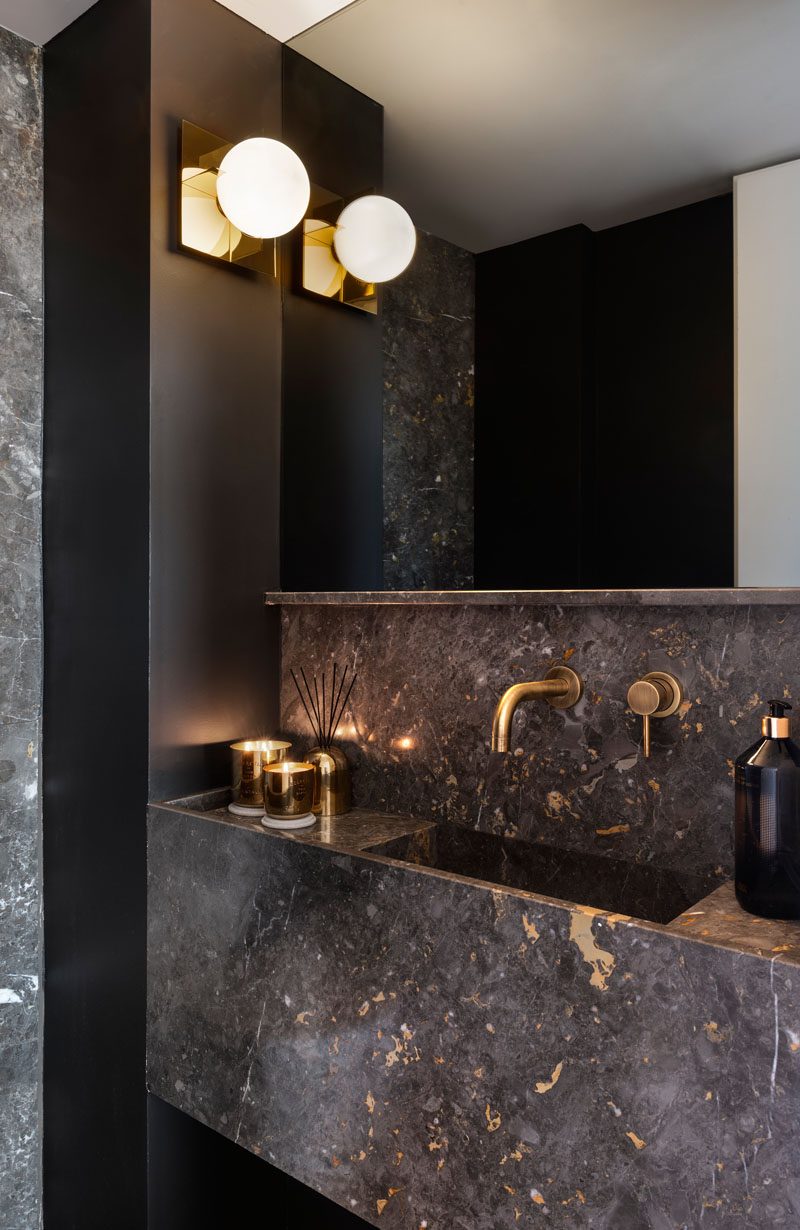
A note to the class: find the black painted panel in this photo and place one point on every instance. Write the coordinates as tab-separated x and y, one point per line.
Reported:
95	617
332	498
604	406
200	1180
665	494
533	394
216	356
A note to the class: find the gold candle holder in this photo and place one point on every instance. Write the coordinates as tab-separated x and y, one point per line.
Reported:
289	795
250	757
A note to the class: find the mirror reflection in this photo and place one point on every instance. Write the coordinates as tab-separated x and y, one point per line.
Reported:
607	196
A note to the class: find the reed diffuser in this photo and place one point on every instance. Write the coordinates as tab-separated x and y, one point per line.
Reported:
325	706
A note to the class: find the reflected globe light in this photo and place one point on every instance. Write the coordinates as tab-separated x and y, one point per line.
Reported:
375	239
263	187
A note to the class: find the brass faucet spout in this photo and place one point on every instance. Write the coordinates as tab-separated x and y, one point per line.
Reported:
562	687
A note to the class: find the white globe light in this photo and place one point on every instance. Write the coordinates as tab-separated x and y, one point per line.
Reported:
375	238
263	187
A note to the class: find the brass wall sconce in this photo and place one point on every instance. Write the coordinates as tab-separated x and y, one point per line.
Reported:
237	199
203	228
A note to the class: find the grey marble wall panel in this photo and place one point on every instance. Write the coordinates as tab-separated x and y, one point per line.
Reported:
20	627
428	322
429	678
431	1053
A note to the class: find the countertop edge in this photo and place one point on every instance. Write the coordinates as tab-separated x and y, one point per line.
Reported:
537	597
407	825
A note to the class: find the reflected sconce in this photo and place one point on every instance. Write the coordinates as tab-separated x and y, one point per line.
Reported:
348	249
236	200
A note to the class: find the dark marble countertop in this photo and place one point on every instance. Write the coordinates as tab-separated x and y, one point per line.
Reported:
716	920
719	919
537	597
357	831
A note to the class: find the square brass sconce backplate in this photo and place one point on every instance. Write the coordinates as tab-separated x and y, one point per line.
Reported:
321	273
203	228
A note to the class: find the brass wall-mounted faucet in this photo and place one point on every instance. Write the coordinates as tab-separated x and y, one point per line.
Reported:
561	687
657	695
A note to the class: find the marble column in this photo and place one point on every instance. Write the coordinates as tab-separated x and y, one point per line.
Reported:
20	629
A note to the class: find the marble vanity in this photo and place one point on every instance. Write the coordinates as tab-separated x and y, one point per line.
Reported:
432	1049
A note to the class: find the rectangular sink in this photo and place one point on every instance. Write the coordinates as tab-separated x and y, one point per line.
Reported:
620	887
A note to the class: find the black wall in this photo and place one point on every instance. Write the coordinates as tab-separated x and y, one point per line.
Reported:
332	508
200	1180
96	465
215	352
534	401
604	406
162	462
664	320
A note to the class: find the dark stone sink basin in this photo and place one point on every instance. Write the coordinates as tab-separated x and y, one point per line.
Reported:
638	890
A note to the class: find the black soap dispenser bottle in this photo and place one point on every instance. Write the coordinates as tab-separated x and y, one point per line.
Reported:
768	820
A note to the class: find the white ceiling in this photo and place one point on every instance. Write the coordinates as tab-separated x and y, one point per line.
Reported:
283	19
512	118
39	20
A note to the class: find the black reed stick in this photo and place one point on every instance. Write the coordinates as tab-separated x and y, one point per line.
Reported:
316	723
302	700
335	705
328	735
325	711
344	704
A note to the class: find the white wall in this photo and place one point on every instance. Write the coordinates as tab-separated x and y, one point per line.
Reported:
767	274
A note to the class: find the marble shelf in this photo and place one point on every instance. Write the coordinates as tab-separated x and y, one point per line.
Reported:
536	597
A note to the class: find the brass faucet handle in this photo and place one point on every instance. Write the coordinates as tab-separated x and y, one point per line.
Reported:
657	695
644	697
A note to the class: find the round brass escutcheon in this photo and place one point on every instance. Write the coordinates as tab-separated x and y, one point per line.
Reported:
574	687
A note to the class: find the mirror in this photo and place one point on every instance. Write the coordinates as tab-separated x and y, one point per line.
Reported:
607	195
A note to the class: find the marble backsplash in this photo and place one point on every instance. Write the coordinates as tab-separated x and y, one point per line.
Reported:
429	678
428	322
20	629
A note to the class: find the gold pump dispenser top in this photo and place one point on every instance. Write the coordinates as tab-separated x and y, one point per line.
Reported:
775	724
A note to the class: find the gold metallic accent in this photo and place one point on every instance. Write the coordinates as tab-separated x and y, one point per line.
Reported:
203	229
561	687
249	758
332	780
776	727
322	274
657	695
289	789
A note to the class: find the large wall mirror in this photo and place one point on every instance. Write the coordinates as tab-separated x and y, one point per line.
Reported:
591	372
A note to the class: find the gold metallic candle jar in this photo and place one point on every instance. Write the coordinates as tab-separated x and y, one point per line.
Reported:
250	756
289	794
